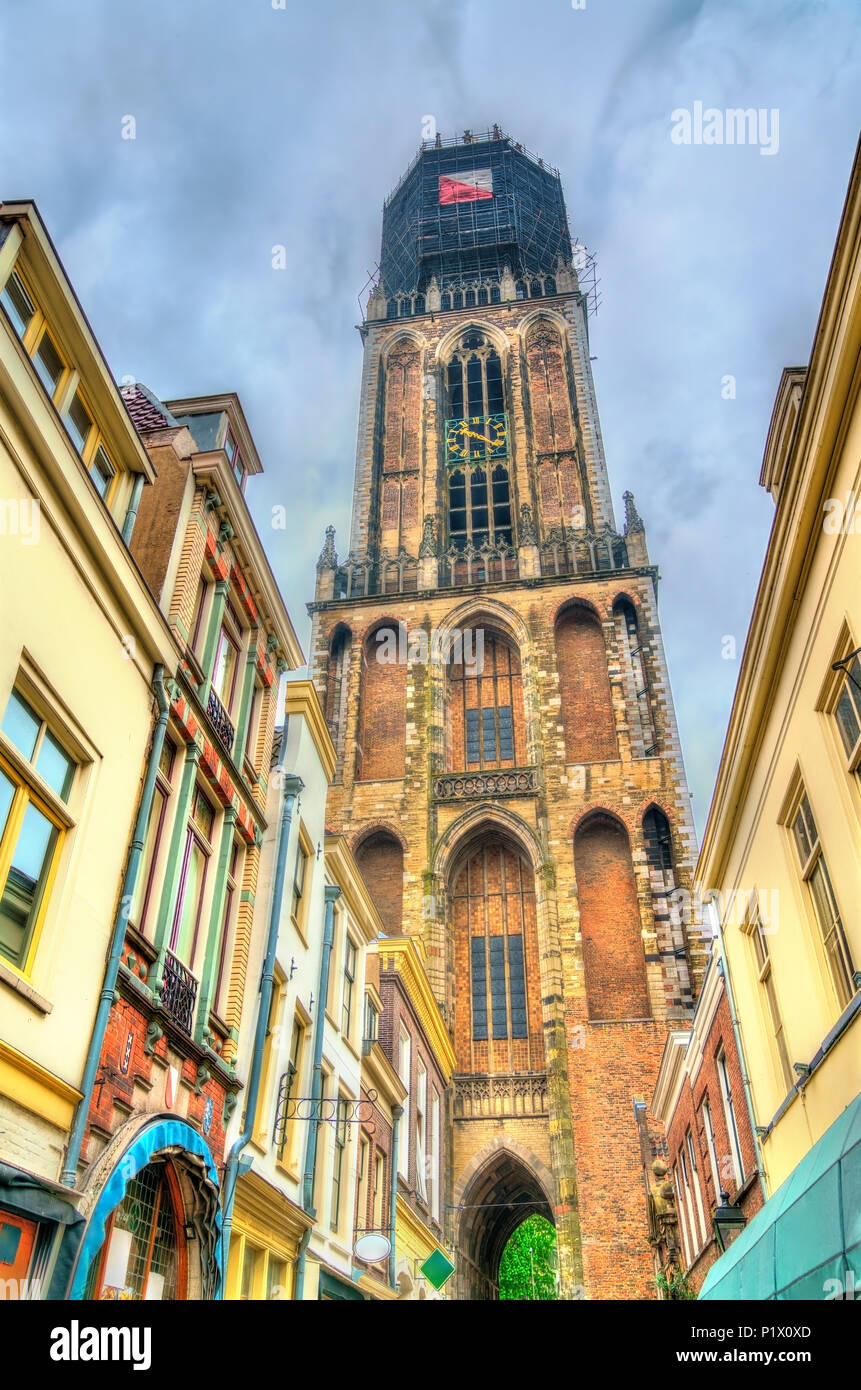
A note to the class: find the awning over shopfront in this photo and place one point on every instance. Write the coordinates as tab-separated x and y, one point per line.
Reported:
807	1233
36	1197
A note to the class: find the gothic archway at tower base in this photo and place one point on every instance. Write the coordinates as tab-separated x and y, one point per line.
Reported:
496	1199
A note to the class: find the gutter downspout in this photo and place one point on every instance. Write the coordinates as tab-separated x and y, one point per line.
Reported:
723	967
134	503
292	785
299	1289
397	1112
332	893
106	998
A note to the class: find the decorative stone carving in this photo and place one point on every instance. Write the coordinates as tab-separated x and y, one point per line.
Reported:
466	786
633	520
428	546
528	533
328	555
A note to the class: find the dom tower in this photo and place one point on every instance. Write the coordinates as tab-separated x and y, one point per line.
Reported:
490	661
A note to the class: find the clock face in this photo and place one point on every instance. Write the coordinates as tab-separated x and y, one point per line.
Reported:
476	437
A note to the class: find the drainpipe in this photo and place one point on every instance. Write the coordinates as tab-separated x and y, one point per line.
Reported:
723	967
106	998
292	785
131	514
332	893
397	1112
299	1287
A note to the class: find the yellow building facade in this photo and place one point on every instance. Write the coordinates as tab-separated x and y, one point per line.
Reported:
782	848
80	641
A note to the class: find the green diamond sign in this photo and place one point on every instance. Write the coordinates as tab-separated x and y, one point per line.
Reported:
437	1268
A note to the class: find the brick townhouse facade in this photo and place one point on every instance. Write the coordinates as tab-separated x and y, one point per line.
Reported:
711	1150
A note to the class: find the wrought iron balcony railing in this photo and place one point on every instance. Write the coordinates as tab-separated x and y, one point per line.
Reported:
178	992
220	721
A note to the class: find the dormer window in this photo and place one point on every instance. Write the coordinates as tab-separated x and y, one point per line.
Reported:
78	423
102	471
49	364
53	371
235	459
18	304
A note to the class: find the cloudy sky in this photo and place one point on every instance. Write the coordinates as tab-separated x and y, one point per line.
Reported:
258	126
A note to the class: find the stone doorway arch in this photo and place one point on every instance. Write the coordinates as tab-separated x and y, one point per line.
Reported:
498	1189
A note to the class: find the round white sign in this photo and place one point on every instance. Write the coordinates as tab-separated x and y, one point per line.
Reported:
372	1248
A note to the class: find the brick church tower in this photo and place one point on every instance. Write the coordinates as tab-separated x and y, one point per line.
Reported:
509	772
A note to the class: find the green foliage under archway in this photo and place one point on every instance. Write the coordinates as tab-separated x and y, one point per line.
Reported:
528	1265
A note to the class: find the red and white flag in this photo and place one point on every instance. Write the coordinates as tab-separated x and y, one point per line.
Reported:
467	187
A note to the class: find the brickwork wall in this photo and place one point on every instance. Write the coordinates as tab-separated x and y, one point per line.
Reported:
381	863
131	1080
609	921
549	399
159	515
383	715
398	1012
584	687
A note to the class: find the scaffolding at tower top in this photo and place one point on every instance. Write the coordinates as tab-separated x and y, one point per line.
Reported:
469	207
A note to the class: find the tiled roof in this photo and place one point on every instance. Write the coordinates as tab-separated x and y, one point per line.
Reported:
145	409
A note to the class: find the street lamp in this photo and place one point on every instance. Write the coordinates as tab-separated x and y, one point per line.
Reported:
729	1221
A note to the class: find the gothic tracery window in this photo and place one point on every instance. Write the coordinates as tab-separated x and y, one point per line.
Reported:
494	914
474	377
486	727
479	496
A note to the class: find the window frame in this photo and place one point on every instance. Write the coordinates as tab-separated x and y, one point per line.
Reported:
728	1105
814	865
226	637
849	686
348	985
31	788
711	1145
290	1136
232	896
337	1175
68	386
420	1130
698	1196
255	714
405	1061
752	927
301	891
194	836
434	1172
378	1202
681	1198
200	615
154	842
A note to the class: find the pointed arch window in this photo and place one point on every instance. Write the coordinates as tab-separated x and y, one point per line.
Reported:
474	378
478	515
644	737
486	708
495	892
